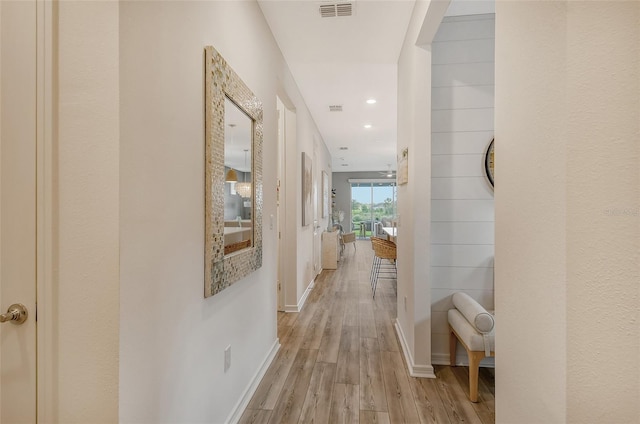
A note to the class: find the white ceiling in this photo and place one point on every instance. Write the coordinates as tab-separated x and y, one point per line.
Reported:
345	61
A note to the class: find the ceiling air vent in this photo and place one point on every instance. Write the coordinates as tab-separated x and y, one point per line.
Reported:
331	10
344	9
335	108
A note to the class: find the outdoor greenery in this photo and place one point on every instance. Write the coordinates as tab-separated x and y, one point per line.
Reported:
361	212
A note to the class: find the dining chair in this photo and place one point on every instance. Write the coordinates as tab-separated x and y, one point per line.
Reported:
348	238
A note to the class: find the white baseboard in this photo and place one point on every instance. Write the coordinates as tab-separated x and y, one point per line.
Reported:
303	299
440	358
238	409
415	370
461	360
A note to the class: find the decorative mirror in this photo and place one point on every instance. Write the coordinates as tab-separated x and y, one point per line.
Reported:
233	172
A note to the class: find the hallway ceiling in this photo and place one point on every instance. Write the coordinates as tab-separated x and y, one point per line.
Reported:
344	61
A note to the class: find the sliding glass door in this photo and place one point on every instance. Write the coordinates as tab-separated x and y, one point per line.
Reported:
373	206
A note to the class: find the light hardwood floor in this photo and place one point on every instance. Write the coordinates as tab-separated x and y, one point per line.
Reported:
340	362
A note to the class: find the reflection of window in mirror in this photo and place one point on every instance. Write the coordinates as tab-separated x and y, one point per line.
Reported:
238	190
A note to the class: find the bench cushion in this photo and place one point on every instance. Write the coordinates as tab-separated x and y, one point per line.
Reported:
468	333
477	316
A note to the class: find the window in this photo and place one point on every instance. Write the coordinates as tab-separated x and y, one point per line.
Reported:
373	206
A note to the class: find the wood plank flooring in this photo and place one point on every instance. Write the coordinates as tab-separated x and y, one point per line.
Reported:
340	362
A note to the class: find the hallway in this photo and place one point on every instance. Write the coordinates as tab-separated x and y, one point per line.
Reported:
340	362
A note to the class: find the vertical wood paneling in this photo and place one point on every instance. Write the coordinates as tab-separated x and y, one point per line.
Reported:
462	215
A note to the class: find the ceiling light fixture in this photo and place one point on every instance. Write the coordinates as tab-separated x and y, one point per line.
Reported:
232	176
371	101
367	126
244	188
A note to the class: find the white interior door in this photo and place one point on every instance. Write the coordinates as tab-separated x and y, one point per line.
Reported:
18	208
280	201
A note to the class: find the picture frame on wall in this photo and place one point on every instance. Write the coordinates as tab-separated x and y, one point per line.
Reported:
403	167
307	189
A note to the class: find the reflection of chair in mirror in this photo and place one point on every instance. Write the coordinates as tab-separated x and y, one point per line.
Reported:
348	238
234	247
383	250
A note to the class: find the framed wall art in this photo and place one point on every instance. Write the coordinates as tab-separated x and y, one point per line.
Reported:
307	190
403	167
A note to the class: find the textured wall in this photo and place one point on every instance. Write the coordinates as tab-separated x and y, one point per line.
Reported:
462	215
567	221
87	290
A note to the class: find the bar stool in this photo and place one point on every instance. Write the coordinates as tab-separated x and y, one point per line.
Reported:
383	249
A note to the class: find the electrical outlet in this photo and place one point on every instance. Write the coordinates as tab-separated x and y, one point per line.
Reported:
227	358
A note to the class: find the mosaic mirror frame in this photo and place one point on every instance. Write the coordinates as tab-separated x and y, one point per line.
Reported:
222	82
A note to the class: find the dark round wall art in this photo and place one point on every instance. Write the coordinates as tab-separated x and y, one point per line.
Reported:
489	163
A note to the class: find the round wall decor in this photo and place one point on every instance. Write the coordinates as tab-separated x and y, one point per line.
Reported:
489	163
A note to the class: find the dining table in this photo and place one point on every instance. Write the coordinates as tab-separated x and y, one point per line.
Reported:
391	233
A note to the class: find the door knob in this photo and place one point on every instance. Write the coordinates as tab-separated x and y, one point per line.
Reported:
16	314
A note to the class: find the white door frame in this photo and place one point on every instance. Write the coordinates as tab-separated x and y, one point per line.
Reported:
280	206
317	213
45	202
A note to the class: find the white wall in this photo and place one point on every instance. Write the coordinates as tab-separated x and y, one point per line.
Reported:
86	292
462	213
172	339
299	261
567	212
414	129
308	141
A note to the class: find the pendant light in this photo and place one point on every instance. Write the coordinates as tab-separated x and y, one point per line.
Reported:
232	176
244	188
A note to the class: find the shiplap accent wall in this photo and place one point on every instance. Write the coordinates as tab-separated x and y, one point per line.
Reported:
462	211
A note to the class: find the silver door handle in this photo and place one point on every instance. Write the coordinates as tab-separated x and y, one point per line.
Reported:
16	314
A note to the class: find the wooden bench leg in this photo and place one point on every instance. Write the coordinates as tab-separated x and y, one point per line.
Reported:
474	366
453	343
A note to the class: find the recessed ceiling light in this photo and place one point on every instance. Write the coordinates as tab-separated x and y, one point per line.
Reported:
367	126
371	101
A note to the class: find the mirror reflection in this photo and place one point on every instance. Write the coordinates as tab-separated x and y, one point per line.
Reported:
238	187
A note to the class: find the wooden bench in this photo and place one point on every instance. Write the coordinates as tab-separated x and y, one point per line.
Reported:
474	327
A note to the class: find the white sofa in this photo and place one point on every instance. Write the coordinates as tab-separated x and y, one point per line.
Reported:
474	327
